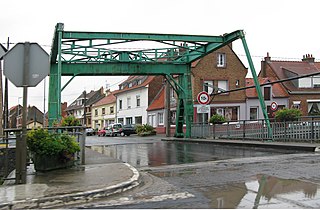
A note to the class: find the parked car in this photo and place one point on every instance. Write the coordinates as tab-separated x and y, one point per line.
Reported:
113	129
127	130
90	132
102	132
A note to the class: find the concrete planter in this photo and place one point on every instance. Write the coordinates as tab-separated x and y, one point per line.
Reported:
44	163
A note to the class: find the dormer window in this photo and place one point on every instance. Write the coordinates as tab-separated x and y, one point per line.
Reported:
130	85
139	82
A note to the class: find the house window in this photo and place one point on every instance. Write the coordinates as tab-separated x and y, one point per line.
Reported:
208	86
267	93
120	104
160	118
223	86
253	113
103	110
138	100
230	113
221	60
128	120
111	110
129	103
296	104
96	112
313	107
237	83
130	85
171	92
120	120
138	120
316	81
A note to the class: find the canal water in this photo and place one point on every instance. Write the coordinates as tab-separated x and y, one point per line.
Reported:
170	153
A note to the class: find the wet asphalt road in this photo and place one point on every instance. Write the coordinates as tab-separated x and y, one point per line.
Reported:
272	181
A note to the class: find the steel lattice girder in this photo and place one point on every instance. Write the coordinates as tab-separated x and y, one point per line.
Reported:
102	53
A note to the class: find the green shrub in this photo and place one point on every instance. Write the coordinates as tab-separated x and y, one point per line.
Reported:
286	114
217	119
145	130
70	121
42	142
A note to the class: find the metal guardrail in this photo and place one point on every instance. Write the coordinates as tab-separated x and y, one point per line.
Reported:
301	131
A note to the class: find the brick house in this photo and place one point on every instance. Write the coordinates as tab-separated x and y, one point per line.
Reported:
83	104
221	69
304	93
34	117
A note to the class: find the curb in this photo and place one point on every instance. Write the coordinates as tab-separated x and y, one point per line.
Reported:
276	145
75	198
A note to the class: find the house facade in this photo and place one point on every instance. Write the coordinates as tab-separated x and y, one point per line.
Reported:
273	94
218	71
304	93
103	111
81	108
34	117
134	96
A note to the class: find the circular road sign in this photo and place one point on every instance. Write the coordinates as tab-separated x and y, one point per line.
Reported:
274	106
203	98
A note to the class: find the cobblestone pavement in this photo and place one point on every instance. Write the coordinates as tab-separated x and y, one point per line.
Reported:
281	181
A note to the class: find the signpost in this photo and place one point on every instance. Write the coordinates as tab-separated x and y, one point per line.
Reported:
203	98
25	65
274	106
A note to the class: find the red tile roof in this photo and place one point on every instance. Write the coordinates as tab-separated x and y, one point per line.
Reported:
298	68
109	99
278	91
158	102
131	78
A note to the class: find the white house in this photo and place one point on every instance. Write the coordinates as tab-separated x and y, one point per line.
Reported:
133	98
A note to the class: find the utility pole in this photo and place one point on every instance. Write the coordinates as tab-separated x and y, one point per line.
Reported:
85	111
5	114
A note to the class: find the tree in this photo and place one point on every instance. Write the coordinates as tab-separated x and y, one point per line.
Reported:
70	121
286	114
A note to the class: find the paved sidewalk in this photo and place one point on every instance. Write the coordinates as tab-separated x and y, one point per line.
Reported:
101	176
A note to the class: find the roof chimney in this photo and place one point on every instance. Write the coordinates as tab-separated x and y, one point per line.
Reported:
308	58
267	58
264	65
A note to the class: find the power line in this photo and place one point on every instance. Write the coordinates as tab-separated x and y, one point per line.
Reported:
265	84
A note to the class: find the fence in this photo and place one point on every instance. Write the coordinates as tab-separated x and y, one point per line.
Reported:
304	130
8	146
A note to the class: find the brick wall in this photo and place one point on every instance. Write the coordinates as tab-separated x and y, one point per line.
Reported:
206	69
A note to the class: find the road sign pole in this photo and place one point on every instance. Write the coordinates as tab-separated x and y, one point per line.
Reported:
22	150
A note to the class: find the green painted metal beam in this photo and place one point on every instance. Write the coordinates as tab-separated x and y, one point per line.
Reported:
141	36
121	68
258	88
210	47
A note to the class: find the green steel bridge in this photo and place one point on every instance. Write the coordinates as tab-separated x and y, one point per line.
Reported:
76	53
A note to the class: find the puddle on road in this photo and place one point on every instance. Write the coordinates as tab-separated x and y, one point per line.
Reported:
265	191
169	153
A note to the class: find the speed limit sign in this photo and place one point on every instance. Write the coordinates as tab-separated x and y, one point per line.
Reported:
274	106
203	98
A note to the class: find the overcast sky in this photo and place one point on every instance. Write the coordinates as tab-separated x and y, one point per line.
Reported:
287	29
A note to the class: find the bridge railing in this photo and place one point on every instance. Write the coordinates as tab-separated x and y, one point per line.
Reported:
304	130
